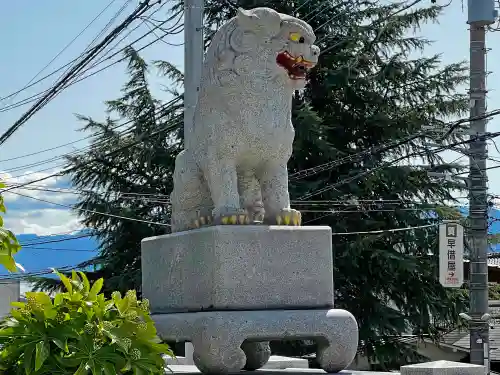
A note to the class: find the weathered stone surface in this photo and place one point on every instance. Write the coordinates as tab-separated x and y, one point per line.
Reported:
234	165
442	368
238	267
218	336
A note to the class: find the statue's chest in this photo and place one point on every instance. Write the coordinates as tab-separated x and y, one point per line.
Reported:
266	112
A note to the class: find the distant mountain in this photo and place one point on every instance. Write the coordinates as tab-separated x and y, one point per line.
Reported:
494	224
40	253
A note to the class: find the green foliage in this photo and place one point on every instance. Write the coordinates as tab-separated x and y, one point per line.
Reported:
81	332
494	291
8	241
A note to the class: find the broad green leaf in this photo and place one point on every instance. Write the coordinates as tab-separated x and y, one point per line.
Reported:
85	281
40	297
136	370
109	368
28	359
65	281
94	368
41	353
96	288
58	299
82	369
61	342
8	262
17	314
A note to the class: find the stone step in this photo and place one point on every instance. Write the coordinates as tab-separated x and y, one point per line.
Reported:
275	362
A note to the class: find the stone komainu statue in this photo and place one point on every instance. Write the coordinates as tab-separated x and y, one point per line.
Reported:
234	166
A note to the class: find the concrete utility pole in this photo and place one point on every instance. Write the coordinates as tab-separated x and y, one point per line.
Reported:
480	14
193	60
193	65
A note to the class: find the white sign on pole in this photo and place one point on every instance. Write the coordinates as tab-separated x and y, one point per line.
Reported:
451	255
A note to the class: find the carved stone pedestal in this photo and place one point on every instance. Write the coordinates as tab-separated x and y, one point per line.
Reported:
231	289
229	341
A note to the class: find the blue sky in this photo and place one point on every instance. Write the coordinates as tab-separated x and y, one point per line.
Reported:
32	33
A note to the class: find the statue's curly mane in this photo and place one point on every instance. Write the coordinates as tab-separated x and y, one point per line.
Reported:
220	54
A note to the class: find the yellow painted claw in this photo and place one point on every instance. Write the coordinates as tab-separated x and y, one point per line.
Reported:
289	218
235	220
296	218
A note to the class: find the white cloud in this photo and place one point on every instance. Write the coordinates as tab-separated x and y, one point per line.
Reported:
26	214
42	222
52	189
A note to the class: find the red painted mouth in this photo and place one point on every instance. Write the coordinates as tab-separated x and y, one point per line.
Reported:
296	67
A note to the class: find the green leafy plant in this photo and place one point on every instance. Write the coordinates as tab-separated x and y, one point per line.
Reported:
81	332
8	241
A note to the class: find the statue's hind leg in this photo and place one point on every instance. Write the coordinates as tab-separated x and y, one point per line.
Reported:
191	201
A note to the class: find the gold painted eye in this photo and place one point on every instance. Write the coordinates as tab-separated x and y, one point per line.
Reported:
295	37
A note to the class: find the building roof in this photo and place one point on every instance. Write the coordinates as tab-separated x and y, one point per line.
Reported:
460	338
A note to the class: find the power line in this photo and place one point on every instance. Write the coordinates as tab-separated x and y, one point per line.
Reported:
65	66
90	211
165	107
29	244
73	71
139	140
59	53
386	230
385	165
63	249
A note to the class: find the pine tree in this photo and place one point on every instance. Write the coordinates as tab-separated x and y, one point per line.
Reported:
368	89
125	176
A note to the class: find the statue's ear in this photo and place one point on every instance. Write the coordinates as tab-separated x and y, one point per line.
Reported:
246	19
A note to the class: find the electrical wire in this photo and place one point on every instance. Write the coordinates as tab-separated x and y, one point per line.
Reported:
73	71
63	249
175	29
165	107
386	230
75	237
59	53
90	211
385	165
139	140
68	64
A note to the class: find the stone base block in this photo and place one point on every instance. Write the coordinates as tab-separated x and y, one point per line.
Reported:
238	267
274	363
442	368
229	341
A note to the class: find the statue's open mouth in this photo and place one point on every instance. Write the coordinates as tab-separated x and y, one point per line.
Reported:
296	67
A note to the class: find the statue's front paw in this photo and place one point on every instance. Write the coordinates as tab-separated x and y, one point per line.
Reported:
287	216
232	217
241	219
202	221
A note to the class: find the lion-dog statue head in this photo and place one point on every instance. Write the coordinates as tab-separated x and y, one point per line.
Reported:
262	44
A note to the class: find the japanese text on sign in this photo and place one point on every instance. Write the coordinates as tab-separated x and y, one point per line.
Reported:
451	255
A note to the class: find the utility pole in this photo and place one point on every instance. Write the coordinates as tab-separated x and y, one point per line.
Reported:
481	13
193	60
193	65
